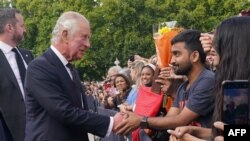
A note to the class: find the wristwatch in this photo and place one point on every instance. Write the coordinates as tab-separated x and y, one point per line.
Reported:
144	123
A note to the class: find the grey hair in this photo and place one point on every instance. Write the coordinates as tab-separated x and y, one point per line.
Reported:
115	69
126	71
7	15
67	21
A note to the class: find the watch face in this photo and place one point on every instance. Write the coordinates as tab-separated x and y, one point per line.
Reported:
144	122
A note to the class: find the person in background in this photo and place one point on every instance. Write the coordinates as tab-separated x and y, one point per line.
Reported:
153	60
212	59
109	83
123	85
193	103
136	57
55	100
13	64
136	68
232	53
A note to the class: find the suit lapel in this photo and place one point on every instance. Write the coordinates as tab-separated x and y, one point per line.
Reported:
78	82
27	56
6	66
72	89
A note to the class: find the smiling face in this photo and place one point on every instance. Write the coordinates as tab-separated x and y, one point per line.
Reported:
180	59
147	75
213	58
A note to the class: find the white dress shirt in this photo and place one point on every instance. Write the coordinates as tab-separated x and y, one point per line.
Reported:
11	58
65	62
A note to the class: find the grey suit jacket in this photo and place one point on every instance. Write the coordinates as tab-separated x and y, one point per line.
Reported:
11	99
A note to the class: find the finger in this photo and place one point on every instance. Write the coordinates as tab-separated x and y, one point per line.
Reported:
179	77
125	116
219	125
121	128
206	35
125	130
165	69
171	66
219	138
207	41
161	81
172	138
207	46
175	133
165	72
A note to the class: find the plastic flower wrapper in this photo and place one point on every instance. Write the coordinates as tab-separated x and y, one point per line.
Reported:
163	34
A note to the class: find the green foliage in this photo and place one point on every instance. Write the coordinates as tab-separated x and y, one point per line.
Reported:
120	28
6	3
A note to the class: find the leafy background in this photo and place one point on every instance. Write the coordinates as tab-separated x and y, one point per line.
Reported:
120	28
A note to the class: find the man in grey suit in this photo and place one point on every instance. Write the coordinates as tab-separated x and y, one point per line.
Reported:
12	96
56	104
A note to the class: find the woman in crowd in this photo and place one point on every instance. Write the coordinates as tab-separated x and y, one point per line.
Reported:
123	87
135	73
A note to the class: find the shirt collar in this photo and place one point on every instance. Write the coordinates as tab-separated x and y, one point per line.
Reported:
59	55
5	47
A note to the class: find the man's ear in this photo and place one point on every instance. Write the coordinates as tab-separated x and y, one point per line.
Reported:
65	35
195	56
8	28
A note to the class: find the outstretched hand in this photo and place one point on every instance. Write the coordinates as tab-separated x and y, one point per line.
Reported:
128	124
180	131
118	118
182	134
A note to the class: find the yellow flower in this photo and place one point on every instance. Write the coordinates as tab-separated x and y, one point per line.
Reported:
164	30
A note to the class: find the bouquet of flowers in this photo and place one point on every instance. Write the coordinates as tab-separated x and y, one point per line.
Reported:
163	33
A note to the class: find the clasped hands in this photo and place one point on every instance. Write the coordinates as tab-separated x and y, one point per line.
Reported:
125	122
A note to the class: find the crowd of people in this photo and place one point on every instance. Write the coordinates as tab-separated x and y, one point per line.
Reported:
44	98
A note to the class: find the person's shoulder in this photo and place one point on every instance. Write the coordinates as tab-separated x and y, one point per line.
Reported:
38	61
207	74
24	50
205	81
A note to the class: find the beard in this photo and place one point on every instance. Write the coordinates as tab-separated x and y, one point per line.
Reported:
18	38
183	70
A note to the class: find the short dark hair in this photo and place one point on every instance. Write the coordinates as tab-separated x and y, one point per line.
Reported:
126	79
7	15
191	38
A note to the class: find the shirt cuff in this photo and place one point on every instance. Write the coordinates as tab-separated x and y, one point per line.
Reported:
110	126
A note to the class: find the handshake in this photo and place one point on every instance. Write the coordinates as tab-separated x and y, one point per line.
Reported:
125	122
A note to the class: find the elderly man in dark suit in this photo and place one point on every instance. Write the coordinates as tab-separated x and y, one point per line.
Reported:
56	104
13	64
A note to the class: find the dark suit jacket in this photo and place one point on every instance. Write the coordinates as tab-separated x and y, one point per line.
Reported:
11	99
54	110
4	130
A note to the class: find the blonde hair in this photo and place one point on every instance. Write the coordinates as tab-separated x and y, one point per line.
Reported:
137	66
